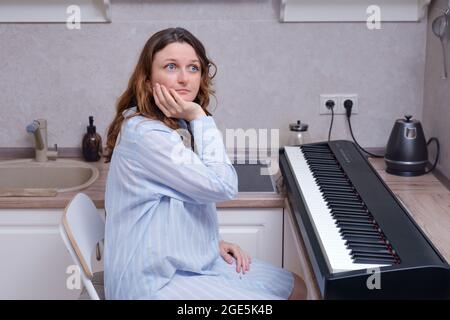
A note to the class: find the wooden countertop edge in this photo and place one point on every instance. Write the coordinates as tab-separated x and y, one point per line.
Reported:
256	200
243	200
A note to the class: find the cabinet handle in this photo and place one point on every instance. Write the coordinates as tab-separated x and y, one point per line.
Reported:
98	251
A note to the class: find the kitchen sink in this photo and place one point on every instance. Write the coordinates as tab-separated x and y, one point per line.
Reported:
26	177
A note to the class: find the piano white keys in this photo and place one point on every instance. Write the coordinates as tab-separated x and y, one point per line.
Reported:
333	245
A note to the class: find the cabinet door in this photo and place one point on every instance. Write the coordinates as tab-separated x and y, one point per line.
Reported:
34	259
295	257
257	231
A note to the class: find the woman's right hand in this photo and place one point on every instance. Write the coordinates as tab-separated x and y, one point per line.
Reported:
174	106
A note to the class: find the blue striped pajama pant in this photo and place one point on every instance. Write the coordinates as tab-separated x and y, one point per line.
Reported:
262	282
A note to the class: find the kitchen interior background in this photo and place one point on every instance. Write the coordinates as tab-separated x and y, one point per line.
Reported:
269	73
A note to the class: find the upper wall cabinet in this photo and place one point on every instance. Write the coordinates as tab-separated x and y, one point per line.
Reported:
352	10
55	10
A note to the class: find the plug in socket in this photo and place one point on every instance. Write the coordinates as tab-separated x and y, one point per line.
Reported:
323	109
353	98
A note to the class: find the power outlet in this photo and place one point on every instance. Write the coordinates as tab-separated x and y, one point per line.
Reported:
323	100
353	98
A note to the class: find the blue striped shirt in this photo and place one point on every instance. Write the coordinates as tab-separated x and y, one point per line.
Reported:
160	204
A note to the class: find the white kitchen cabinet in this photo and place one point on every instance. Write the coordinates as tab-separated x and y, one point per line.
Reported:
55	11
35	260
352	10
33	257
295	257
259	231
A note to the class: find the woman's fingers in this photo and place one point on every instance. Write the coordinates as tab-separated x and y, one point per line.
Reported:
176	96
241	259
229	251
238	257
163	100
169	99
245	263
227	257
156	95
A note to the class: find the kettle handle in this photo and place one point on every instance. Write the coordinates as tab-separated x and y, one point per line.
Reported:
437	153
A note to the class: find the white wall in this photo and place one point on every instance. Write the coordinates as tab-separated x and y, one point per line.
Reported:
270	73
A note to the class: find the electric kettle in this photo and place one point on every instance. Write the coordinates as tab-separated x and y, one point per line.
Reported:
406	150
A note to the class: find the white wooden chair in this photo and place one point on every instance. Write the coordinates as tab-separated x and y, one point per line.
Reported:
81	229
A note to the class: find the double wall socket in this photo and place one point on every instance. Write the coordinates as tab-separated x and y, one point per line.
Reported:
338	100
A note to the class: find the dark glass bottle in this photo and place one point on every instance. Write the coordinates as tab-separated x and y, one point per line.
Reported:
92	143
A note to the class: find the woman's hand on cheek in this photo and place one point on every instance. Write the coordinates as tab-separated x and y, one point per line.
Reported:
174	106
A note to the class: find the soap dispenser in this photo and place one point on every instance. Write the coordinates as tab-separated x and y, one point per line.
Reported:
92	143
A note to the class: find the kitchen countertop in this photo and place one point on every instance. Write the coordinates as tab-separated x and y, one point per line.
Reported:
426	198
428	202
97	190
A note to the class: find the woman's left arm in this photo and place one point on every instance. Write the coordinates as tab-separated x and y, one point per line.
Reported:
228	251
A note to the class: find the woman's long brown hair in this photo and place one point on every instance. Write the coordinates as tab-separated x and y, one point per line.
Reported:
138	92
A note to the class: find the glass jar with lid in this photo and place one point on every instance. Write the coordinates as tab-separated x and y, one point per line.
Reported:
298	134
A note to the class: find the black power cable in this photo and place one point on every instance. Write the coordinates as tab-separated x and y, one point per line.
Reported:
330	105
348	105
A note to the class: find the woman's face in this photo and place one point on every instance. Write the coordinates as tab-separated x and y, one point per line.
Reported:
177	66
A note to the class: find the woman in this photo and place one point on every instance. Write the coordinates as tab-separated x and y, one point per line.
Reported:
162	238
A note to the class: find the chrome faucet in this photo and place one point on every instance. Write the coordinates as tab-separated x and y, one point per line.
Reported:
39	129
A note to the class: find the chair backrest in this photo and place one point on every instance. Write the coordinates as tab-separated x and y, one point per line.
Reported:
82	229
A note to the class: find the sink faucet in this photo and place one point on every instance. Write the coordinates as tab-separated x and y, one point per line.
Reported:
39	129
